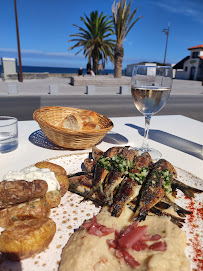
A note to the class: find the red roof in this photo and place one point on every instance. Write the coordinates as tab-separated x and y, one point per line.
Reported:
196	47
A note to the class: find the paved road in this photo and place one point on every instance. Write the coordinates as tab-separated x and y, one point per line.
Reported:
23	107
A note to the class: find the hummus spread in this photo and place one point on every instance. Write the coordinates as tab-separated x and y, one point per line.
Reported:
91	253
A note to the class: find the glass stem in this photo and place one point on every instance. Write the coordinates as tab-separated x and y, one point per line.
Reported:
145	144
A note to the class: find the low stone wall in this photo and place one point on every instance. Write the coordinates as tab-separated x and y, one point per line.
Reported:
100	80
63	75
26	75
33	75
13	76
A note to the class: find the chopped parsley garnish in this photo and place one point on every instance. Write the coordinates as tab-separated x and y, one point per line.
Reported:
117	162
166	176
105	162
121	164
139	177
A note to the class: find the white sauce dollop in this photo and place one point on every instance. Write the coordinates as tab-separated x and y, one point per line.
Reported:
34	173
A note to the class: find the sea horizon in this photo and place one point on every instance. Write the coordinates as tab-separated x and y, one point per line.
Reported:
41	69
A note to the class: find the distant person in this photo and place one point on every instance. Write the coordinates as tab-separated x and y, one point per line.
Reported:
88	68
92	74
80	72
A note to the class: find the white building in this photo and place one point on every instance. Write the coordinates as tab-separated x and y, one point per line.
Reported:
130	67
191	67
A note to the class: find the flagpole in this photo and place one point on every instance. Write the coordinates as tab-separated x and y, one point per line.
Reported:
166	31
18	41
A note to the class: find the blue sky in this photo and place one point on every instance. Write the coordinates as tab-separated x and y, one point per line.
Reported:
46	25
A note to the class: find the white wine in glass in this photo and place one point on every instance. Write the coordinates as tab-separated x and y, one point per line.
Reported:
150	87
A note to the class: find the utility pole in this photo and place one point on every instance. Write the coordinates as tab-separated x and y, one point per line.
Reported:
166	31
18	41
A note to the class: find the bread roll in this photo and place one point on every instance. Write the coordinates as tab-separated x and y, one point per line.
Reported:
91	125
89	115
86	120
73	122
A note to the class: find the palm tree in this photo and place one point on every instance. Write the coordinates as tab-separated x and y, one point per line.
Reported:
122	18
94	39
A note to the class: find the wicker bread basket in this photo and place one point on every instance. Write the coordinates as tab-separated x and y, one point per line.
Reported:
48	117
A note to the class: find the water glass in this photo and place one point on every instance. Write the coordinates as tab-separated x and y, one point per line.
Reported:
8	134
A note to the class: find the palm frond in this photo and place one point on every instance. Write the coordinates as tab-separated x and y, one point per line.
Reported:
94	37
132	25
122	18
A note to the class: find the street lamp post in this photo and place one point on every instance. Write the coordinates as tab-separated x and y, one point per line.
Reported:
18	41
166	31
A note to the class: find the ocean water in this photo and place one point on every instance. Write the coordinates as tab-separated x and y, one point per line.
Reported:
57	70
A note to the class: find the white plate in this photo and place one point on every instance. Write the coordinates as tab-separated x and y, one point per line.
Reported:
70	214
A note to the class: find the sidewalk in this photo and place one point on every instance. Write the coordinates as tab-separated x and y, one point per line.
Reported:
186	87
61	86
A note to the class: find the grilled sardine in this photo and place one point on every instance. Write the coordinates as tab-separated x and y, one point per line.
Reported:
165	203
154	188
186	189
130	187
116	176
101	171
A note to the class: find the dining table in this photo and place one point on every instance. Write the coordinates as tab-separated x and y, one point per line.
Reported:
178	138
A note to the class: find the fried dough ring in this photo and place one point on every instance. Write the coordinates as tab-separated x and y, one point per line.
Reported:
26	238
53	198
63	182
60	174
18	191
31	209
53	167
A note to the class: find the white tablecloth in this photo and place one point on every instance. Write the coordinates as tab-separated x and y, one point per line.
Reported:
178	138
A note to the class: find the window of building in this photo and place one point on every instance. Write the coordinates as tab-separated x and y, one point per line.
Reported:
195	54
185	69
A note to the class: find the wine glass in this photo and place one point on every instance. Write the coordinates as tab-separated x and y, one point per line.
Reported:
150	87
